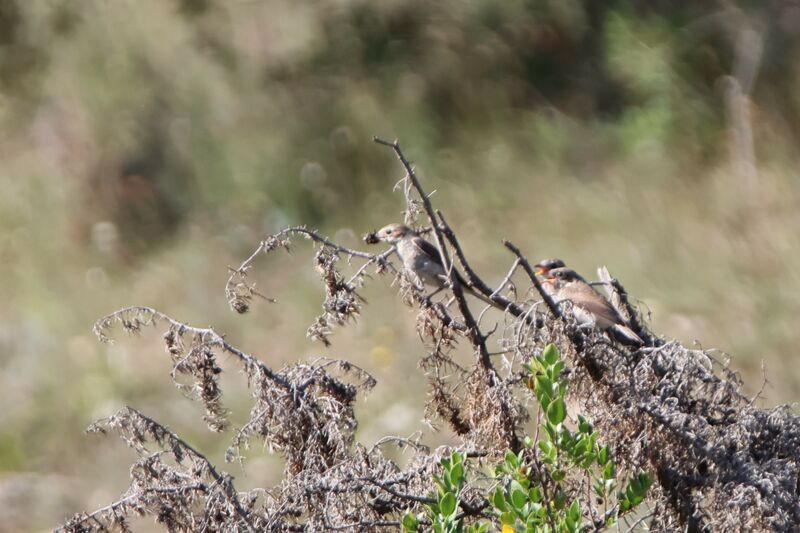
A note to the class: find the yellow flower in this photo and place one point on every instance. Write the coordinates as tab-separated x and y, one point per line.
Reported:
507	529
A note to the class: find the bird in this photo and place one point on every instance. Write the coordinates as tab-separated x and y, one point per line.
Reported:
589	306
421	258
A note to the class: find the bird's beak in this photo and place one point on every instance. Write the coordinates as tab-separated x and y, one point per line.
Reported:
540	271
372	238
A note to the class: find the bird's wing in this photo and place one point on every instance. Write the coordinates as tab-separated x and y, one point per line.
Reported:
431	251
428	249
584	296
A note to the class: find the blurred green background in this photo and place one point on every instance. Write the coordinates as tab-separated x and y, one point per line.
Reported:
146	145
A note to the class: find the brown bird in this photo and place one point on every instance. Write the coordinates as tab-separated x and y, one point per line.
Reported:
589	306
421	258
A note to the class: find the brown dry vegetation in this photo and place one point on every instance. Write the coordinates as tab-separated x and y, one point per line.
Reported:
719	462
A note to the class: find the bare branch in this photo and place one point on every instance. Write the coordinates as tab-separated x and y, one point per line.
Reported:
473	331
548	300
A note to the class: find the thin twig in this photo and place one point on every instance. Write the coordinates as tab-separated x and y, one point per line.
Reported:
208	336
475	282
548	300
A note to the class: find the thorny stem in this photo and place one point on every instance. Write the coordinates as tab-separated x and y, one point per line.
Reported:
265	246
177	442
208	336
227	486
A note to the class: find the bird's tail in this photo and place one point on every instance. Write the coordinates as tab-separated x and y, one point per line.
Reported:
626	335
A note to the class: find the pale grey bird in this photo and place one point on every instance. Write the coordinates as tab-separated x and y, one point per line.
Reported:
589	306
421	258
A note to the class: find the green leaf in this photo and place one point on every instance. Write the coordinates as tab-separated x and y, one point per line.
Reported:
565	441
447	504
551	453
544	400
508	518
574	511
512	460
551	431
560	500
515	485
557	368
499	501
550	354
556	411
544	385
440	484
608	470
518	498
410	523
587	460
603	456
534	495
457	475
558	475
581	447
545	446
646	482
593	440
636	490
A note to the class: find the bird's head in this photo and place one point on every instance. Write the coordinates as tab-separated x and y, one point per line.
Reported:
546	265
562	275
393	233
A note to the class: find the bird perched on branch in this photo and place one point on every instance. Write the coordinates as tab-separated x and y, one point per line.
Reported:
421	258
589	306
